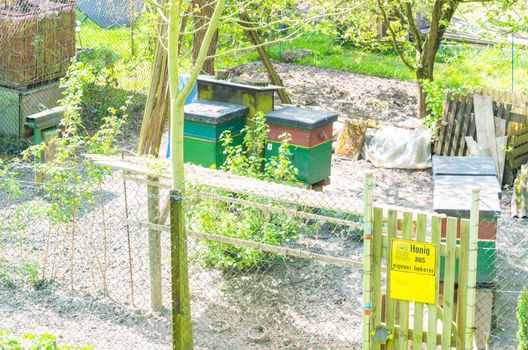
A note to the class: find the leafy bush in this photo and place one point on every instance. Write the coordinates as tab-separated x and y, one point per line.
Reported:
435	95
248	159
244	221
32	342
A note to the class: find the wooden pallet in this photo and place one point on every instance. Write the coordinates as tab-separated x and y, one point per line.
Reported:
518	149
458	121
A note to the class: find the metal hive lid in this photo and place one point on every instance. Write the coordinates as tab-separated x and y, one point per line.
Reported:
300	118
214	112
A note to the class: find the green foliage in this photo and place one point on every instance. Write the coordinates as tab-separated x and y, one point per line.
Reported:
94	74
10	183
248	159
522	318
63	180
8	341
242	221
6	277
435	96
32	271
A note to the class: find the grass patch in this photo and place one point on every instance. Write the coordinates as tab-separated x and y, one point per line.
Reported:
457	65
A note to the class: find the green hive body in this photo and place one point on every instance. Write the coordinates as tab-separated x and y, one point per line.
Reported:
312	163
205	122
486	257
16	105
313	160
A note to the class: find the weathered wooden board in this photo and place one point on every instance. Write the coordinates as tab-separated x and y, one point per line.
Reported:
502	143
485	124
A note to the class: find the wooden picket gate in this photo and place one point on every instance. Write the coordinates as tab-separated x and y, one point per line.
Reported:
399	324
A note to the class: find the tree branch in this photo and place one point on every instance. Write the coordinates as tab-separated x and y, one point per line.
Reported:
404	59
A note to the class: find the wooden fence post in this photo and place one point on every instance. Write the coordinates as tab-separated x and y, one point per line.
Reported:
182	336
472	269
154	246
367	247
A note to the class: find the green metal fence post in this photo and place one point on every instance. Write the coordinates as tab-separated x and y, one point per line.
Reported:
367	251
182	336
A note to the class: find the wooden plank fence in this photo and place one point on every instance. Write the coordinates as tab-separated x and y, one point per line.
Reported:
457	129
518	148
456	318
458	121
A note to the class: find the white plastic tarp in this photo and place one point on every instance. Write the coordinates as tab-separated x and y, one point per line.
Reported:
392	147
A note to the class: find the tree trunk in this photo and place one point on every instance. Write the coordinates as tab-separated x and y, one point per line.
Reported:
201	21
422	106
425	63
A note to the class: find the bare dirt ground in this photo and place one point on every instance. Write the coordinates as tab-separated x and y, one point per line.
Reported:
387	101
295	304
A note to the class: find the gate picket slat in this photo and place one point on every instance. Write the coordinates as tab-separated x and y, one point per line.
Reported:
390	304
403	334
377	246
432	314
421	234
449	282
462	281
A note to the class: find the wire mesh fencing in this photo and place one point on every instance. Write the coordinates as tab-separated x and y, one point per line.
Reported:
91	264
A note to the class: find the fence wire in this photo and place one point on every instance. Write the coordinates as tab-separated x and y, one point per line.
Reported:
86	275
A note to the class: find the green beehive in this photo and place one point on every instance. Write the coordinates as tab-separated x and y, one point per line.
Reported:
310	135
205	122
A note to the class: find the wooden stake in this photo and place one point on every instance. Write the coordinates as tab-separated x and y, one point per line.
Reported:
255	40
154	244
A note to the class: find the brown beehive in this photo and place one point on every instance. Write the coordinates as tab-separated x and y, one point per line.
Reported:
37	40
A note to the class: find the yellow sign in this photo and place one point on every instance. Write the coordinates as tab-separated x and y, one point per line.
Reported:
413	271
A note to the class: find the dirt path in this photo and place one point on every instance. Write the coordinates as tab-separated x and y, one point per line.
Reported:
349	94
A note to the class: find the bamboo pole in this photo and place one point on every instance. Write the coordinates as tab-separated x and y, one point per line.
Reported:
367	260
154	244
255	40
472	268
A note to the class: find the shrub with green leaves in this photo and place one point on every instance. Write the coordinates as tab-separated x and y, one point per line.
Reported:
248	158
243	222
8	341
247	222
436	92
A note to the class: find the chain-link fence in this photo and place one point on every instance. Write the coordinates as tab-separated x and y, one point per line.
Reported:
264	271
269	267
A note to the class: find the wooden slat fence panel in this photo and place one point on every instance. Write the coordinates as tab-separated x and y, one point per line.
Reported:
377	246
